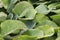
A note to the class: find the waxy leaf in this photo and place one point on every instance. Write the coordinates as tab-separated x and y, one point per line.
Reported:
42	9
30	14
24	9
40	32
10	26
21	7
24	37
29	19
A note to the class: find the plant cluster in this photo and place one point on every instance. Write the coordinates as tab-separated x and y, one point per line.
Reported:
29	19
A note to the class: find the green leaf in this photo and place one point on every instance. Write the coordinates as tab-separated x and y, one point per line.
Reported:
56	19
1	38
24	9
58	33
10	26
47	30
1	4
16	32
54	5
14	1
11	5
10	16
3	16
40	32
30	13
5	3
34	32
30	24
50	38
40	17
33	1
58	38
24	37
56	11
48	22
8	37
42	9
21	7
42	0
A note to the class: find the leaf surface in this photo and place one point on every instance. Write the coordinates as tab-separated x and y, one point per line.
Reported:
10	26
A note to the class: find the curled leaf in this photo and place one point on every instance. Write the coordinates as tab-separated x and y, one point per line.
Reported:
10	26
21	7
24	9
